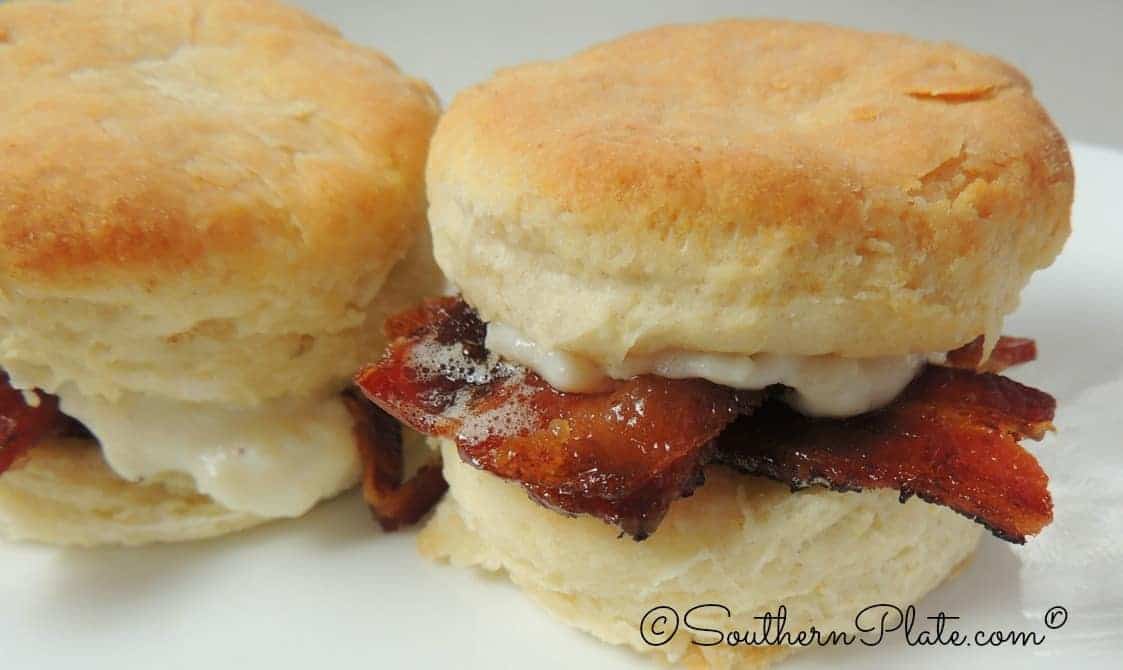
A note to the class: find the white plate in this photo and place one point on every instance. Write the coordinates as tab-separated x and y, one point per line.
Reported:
330	591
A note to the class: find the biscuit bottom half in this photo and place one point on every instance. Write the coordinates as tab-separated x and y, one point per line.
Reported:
66	494
743	542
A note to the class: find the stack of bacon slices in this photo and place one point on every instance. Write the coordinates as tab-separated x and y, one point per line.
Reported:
624	455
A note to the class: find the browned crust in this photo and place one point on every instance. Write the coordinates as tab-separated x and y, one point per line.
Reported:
242	138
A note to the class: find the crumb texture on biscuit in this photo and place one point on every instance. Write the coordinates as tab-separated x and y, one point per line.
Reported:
740	541
202	199
749	186
151	138
65	494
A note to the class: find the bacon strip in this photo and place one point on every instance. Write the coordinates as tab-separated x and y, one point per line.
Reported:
378	437
623	455
626	454
950	439
1008	351
22	425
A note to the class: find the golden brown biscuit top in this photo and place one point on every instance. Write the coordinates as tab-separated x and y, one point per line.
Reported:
152	138
737	123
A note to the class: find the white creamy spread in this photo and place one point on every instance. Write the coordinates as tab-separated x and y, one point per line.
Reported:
831	386
274	460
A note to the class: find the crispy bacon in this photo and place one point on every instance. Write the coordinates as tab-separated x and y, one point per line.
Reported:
22	425
623	455
1008	351
950	439
378	437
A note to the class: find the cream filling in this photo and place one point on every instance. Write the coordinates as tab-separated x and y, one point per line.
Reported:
274	460
828	386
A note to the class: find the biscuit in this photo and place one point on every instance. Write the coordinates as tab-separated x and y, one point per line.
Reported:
201	200
207	209
749	186
65	494
743	542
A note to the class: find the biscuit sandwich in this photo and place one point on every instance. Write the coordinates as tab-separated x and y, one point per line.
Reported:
735	290
207	209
